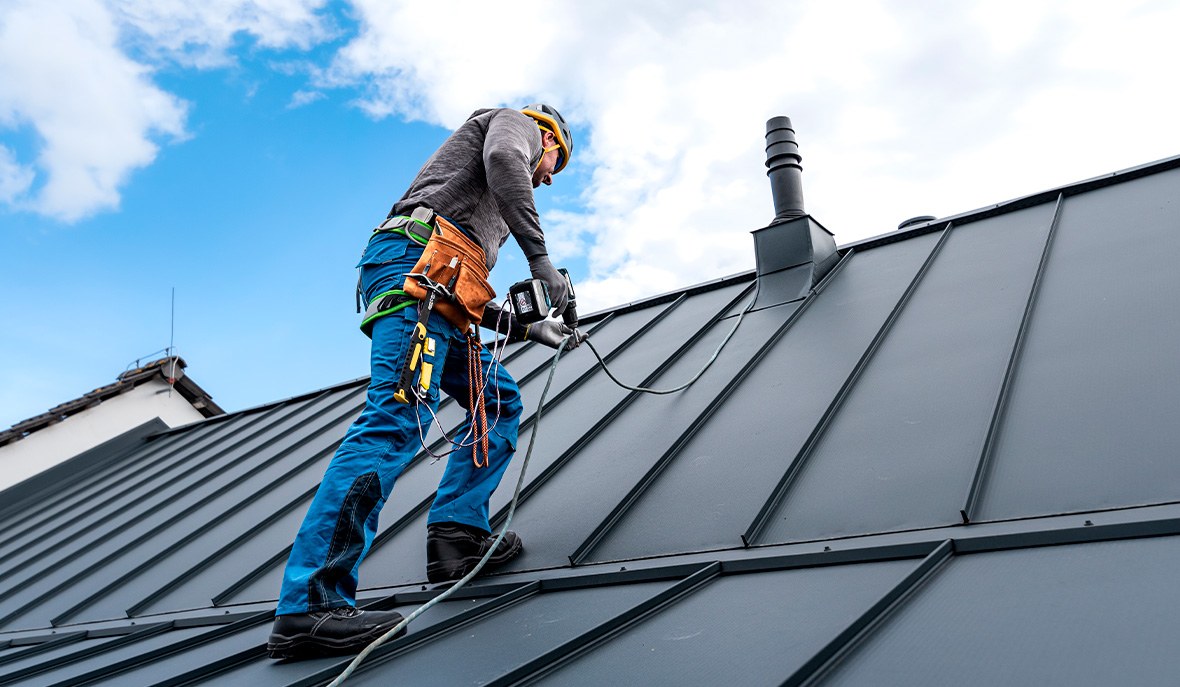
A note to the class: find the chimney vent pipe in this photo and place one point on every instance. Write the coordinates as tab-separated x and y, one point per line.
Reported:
784	169
795	251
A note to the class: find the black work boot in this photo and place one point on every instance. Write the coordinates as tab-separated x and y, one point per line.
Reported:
454	549
336	631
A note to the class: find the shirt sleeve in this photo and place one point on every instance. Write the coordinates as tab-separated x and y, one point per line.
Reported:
502	322
511	150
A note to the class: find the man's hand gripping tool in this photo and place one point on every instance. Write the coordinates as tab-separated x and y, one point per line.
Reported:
530	301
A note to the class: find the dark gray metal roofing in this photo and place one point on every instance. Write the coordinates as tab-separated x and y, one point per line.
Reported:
954	461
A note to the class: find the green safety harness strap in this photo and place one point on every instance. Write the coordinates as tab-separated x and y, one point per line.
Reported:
415	227
384	304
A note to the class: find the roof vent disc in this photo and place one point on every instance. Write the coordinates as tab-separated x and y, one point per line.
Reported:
920	219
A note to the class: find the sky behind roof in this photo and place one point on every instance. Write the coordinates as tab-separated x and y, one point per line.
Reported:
241	151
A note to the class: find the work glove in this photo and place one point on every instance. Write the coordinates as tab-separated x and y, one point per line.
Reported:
551	332
559	290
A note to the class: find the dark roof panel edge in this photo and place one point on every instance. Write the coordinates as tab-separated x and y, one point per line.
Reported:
1136	522
268	405
975	215
1020	203
669	296
78	467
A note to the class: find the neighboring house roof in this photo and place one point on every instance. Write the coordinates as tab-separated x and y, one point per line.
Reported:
168	369
955	461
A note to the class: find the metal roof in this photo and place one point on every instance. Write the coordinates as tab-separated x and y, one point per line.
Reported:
953	461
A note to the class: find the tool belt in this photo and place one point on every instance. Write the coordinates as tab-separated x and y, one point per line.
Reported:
471	290
452	259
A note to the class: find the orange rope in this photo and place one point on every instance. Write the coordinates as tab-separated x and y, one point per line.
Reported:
479	421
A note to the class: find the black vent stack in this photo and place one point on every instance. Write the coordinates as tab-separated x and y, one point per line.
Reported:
794	252
785	169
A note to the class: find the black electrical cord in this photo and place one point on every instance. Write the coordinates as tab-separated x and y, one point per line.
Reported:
682	387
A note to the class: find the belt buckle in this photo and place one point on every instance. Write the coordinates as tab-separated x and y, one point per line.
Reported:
425	216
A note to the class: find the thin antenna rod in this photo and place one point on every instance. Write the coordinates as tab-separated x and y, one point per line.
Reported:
171	350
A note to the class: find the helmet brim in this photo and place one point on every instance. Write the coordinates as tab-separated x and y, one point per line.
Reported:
555	128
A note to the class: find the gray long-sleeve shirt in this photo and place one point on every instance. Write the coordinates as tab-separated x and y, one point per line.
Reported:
482	179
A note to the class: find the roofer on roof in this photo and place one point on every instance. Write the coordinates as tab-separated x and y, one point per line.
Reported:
472	193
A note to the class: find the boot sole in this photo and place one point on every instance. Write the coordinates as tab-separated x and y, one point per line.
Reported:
456	569
304	645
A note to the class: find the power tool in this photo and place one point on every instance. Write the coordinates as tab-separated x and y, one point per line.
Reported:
530	301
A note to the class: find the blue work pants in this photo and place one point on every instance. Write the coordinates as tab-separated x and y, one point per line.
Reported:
322	570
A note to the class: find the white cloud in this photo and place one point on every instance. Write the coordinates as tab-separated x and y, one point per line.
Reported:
93	108
97	113
15	179
901	108
301	98
202	33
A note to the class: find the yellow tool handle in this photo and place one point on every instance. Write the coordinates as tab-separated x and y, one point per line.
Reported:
417	340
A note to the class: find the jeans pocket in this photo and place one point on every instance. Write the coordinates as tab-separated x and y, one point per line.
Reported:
383	249
384	270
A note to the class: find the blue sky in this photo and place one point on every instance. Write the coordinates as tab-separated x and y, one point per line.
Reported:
241	151
257	218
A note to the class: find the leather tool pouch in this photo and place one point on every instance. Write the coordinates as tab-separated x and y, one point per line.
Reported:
471	287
